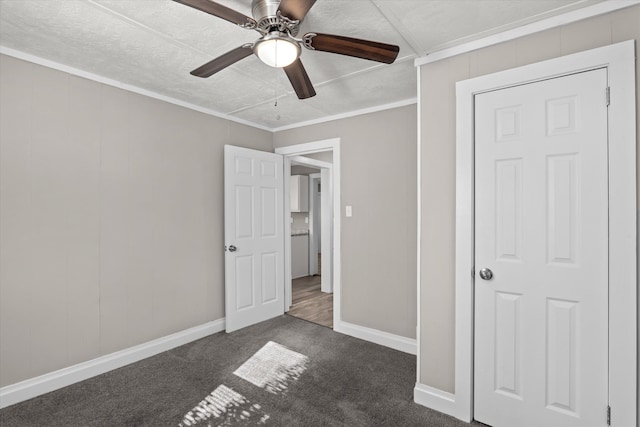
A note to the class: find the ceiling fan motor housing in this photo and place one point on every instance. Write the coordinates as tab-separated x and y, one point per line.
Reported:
265	12
264	8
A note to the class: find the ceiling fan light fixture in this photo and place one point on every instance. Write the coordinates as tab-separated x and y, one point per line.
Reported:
277	50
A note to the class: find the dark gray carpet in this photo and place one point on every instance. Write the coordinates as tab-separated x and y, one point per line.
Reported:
347	382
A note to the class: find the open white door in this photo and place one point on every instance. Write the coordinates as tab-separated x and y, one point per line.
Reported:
254	236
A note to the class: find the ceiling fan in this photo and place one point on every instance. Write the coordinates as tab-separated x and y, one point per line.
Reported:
278	23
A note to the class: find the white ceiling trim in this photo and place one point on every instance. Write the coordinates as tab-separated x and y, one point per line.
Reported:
144	27
354	113
284	94
130	88
553	22
368	70
324	83
397	25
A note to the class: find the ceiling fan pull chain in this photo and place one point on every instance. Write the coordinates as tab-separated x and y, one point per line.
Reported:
275	104
275	92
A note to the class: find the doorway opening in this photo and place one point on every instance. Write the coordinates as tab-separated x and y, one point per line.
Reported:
311	295
312	244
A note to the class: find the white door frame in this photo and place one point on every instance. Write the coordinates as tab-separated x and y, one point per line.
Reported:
619	60
289	152
313	219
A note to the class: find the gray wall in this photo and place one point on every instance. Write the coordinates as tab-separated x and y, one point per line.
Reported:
111	218
378	172
437	122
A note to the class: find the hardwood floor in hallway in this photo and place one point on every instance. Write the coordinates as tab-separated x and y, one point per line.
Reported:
311	304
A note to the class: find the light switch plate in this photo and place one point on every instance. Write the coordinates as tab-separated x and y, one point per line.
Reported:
306	220
348	211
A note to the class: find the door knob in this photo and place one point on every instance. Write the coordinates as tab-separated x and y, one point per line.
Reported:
232	248
486	274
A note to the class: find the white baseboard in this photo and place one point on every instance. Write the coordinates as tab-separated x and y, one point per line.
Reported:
435	399
407	345
15	393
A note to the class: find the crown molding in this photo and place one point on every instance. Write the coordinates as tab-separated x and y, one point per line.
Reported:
346	115
120	85
525	30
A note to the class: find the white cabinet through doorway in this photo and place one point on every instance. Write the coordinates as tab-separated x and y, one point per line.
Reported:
299	193
299	256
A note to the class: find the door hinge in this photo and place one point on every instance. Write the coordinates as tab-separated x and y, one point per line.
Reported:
608	415
607	95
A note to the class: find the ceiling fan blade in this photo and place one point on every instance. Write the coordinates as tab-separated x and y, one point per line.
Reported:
300	80
216	9
223	61
365	49
295	9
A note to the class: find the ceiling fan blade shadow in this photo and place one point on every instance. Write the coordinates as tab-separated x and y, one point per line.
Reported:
365	49
300	80
295	9
222	62
216	9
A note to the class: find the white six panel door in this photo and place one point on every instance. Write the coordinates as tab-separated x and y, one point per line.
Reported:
254	224
541	227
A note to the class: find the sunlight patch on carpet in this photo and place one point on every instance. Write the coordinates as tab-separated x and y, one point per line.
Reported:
273	367
226	406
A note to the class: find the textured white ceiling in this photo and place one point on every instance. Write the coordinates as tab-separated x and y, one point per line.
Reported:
154	44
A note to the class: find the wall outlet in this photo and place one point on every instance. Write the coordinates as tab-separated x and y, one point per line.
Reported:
348	211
